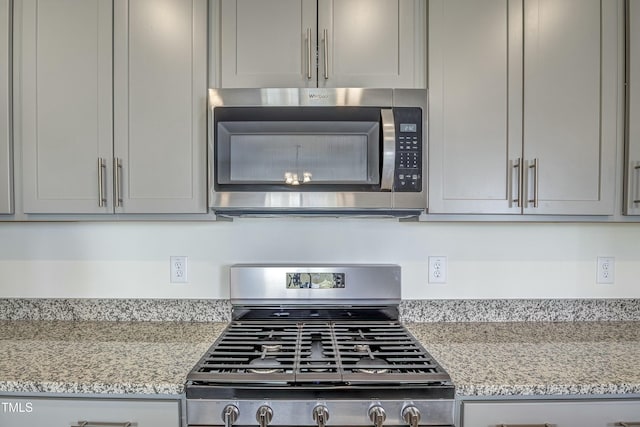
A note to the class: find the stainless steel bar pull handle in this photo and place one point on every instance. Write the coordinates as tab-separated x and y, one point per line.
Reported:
388	149
309	64
117	181
325	38
637	171
534	166
101	190
517	168
628	423
101	424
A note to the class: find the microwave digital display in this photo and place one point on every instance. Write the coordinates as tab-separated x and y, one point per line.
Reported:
408	127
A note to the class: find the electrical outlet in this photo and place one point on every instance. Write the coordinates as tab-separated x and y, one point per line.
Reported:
178	269
606	269
437	269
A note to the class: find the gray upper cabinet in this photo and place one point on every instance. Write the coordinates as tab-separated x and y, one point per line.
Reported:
268	43
523	106
322	43
113	105
571	64
371	43
6	174
633	109
160	87
475	105
65	90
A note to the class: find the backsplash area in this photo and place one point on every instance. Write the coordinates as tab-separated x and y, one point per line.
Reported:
486	261
185	310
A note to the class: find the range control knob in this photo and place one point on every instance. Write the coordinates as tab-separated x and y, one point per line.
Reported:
377	415
411	415
264	415
321	415
230	415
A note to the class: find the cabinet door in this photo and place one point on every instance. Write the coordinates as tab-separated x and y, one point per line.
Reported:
66	109
571	63
590	413
66	412
160	87
371	43
633	105
475	105
266	44
6	185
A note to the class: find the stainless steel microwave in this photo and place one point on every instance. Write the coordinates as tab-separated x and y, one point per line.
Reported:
318	151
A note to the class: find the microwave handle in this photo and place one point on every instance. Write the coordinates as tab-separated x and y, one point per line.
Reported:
388	149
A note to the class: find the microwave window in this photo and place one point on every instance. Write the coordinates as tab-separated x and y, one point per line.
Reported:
298	153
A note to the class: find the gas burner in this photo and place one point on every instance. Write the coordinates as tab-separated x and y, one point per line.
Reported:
271	348
371	365
266	364
361	348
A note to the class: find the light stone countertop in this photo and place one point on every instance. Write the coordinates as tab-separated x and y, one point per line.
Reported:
536	358
483	359
101	357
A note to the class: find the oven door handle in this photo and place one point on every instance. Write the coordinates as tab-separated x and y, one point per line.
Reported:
388	149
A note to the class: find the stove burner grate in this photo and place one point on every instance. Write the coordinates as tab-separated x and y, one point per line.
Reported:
316	353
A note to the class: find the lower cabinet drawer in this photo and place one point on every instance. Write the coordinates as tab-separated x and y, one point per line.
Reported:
68	412
554	413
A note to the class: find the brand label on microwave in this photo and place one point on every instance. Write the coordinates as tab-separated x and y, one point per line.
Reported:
318	95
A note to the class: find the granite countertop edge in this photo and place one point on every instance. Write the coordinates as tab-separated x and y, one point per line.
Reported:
462	391
443	343
35	387
539	390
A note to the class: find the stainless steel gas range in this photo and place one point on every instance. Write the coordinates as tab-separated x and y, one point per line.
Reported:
317	346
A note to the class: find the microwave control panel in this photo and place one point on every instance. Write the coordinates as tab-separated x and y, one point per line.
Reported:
408	168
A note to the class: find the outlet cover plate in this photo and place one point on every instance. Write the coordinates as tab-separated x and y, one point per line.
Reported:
178	269
606	270
438	269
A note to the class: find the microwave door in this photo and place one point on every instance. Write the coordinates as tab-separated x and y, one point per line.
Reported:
302	150
388	149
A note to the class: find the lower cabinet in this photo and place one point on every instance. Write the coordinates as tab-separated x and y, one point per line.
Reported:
72	412
552	413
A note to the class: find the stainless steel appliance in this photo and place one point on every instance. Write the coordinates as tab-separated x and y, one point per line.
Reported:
318	151
316	346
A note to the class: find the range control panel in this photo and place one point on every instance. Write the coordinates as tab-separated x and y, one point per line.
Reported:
408	176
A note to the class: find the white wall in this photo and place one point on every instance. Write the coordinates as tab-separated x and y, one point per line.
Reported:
486	260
